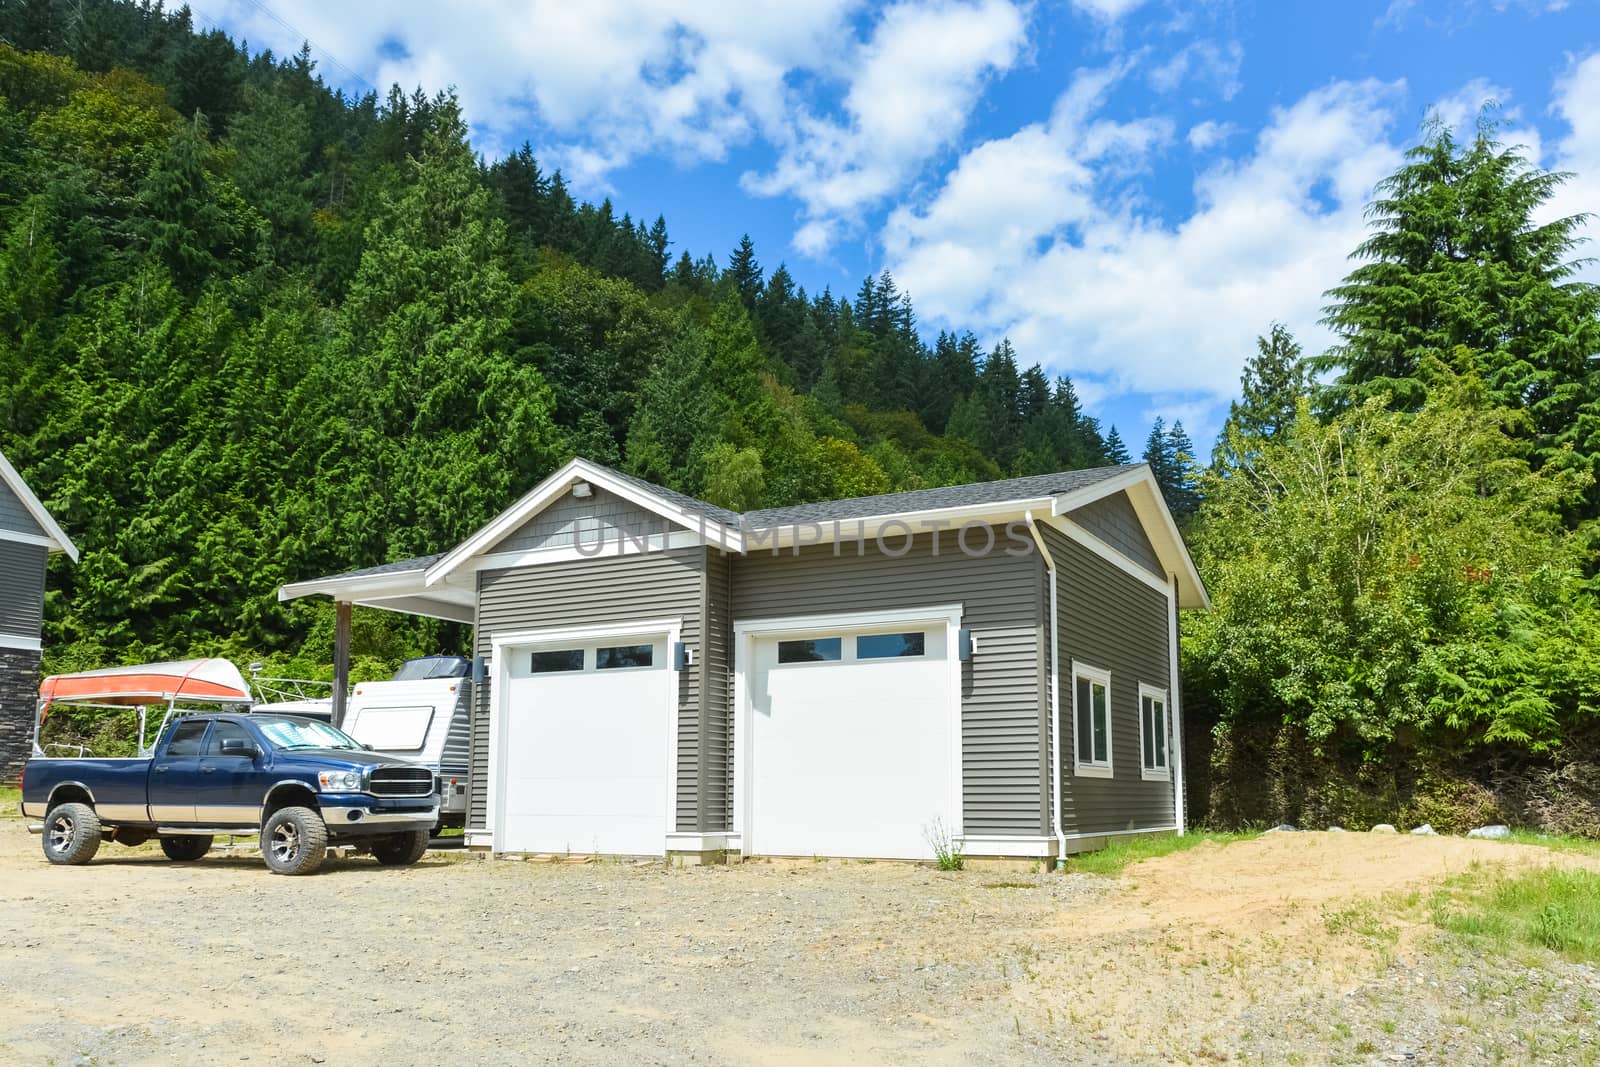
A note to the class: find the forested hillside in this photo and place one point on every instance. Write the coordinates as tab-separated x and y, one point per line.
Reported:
254	331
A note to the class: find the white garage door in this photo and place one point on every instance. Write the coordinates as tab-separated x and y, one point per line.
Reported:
853	742
584	754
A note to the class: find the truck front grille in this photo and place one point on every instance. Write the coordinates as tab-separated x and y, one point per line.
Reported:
401	782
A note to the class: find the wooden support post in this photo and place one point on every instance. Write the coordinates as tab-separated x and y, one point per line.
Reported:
341	659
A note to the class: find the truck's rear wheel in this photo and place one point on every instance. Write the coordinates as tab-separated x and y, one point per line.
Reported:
71	834
294	841
185	848
400	850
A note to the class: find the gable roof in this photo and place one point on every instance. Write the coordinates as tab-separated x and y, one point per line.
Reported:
1050	496
57	539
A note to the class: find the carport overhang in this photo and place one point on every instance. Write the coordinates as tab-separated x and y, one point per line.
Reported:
402	591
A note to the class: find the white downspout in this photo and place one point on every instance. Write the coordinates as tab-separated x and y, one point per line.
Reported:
1055	695
1176	710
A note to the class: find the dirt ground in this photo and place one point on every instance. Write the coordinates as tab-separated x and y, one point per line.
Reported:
1218	953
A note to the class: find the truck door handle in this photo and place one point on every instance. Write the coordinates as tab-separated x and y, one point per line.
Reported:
162	769
207	770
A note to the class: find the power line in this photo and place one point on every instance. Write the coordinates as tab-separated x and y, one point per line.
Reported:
332	59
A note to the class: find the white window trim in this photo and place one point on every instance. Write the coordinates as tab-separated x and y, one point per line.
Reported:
499	671
745	633
1155	774
1080	768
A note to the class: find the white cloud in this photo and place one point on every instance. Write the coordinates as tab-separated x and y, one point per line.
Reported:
1208	134
1577	102
606	80
914	83
1026	238
1206	62
1107	10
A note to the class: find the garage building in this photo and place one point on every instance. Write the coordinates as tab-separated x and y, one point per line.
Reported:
991	664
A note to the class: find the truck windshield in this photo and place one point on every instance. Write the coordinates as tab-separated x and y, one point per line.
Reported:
302	733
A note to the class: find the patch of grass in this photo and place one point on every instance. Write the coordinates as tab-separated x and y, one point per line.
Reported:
1553	909
1110	861
10	797
946	846
1560	842
1365	918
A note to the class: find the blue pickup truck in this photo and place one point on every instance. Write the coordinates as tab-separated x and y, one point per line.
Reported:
300	783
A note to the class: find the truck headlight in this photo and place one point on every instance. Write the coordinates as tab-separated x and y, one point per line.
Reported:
339	781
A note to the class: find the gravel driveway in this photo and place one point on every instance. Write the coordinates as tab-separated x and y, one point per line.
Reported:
134	959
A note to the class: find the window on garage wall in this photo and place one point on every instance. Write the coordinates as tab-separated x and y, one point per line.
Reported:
1091	720
1154	732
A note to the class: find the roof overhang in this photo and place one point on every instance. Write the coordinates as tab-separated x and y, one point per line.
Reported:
404	591
1145	495
56	539
552	489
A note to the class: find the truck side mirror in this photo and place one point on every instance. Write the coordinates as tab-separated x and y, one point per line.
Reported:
238	746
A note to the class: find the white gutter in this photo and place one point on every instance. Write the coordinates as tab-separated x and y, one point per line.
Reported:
1176	711
1055	696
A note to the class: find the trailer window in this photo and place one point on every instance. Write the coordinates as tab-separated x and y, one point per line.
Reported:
392	729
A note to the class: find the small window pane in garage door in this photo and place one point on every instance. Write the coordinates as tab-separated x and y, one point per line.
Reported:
888	646
811	650
619	656
564	660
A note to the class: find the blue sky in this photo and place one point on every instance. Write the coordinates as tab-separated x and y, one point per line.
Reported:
1131	190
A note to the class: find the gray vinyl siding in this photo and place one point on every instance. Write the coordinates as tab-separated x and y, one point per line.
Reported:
587	592
14	517
716	716
1113	520
1003	728
591	520
21	588
1110	620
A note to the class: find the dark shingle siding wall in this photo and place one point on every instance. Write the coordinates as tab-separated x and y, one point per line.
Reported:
22	570
716	760
1113	520
19	696
589	592
1002	759
1113	621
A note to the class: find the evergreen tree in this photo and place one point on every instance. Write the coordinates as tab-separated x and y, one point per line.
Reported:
1458	268
744	273
1271	386
1183	495
1116	451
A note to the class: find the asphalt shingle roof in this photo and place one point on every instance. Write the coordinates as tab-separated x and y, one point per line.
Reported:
418	563
951	496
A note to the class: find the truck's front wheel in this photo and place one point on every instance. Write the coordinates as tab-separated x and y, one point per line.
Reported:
400	850
71	834
185	849
294	841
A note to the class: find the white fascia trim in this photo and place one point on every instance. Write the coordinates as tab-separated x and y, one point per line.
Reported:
745	632
375	587
59	540
1042	846
606	549
1156	517
1121	833
1066	502
499	705
547	491
1053	793
1127	566
20	538
25	644
1079	768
